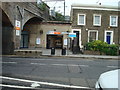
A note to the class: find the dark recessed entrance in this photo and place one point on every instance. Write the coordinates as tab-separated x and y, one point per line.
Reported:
7	34
24	39
29	29
55	41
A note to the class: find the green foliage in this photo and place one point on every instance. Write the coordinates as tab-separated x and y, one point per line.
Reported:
102	47
42	6
59	17
111	49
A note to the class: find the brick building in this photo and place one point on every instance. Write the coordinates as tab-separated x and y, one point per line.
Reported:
49	34
95	22
15	18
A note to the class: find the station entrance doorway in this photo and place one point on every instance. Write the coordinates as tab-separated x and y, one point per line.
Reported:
54	41
24	39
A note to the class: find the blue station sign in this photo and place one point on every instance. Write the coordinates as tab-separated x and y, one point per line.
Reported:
72	35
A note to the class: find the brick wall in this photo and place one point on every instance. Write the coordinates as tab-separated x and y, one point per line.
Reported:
105	19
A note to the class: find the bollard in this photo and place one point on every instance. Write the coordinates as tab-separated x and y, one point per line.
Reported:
52	51
64	51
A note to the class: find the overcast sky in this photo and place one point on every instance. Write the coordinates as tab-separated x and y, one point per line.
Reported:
60	4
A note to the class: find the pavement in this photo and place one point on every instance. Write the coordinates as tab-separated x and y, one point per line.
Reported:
58	53
47	52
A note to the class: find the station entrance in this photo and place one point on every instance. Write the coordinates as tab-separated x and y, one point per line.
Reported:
54	41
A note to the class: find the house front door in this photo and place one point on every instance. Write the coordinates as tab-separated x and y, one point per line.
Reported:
108	37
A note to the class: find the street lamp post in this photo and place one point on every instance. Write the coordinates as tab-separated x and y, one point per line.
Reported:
64	8
68	42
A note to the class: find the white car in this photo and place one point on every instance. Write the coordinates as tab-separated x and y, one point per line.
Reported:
109	80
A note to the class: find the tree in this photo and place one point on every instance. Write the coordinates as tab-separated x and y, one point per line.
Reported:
42	6
59	17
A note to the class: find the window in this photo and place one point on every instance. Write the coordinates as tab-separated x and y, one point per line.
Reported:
81	19
92	35
97	20
114	21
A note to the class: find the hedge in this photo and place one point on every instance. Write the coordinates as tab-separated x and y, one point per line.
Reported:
102	47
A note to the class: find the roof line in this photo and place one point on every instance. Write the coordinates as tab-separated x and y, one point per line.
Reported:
95	6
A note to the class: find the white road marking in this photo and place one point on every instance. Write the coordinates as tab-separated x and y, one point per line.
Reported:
58	64
34	85
44	83
73	65
38	63
112	66
9	62
32	59
48	59
14	86
84	65
41	59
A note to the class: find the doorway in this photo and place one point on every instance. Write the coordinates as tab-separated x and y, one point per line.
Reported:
24	39
55	41
77	37
109	37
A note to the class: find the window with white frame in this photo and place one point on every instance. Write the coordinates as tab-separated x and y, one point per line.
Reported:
81	19
97	20
114	21
92	35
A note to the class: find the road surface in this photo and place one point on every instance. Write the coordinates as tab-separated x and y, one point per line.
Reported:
53	72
